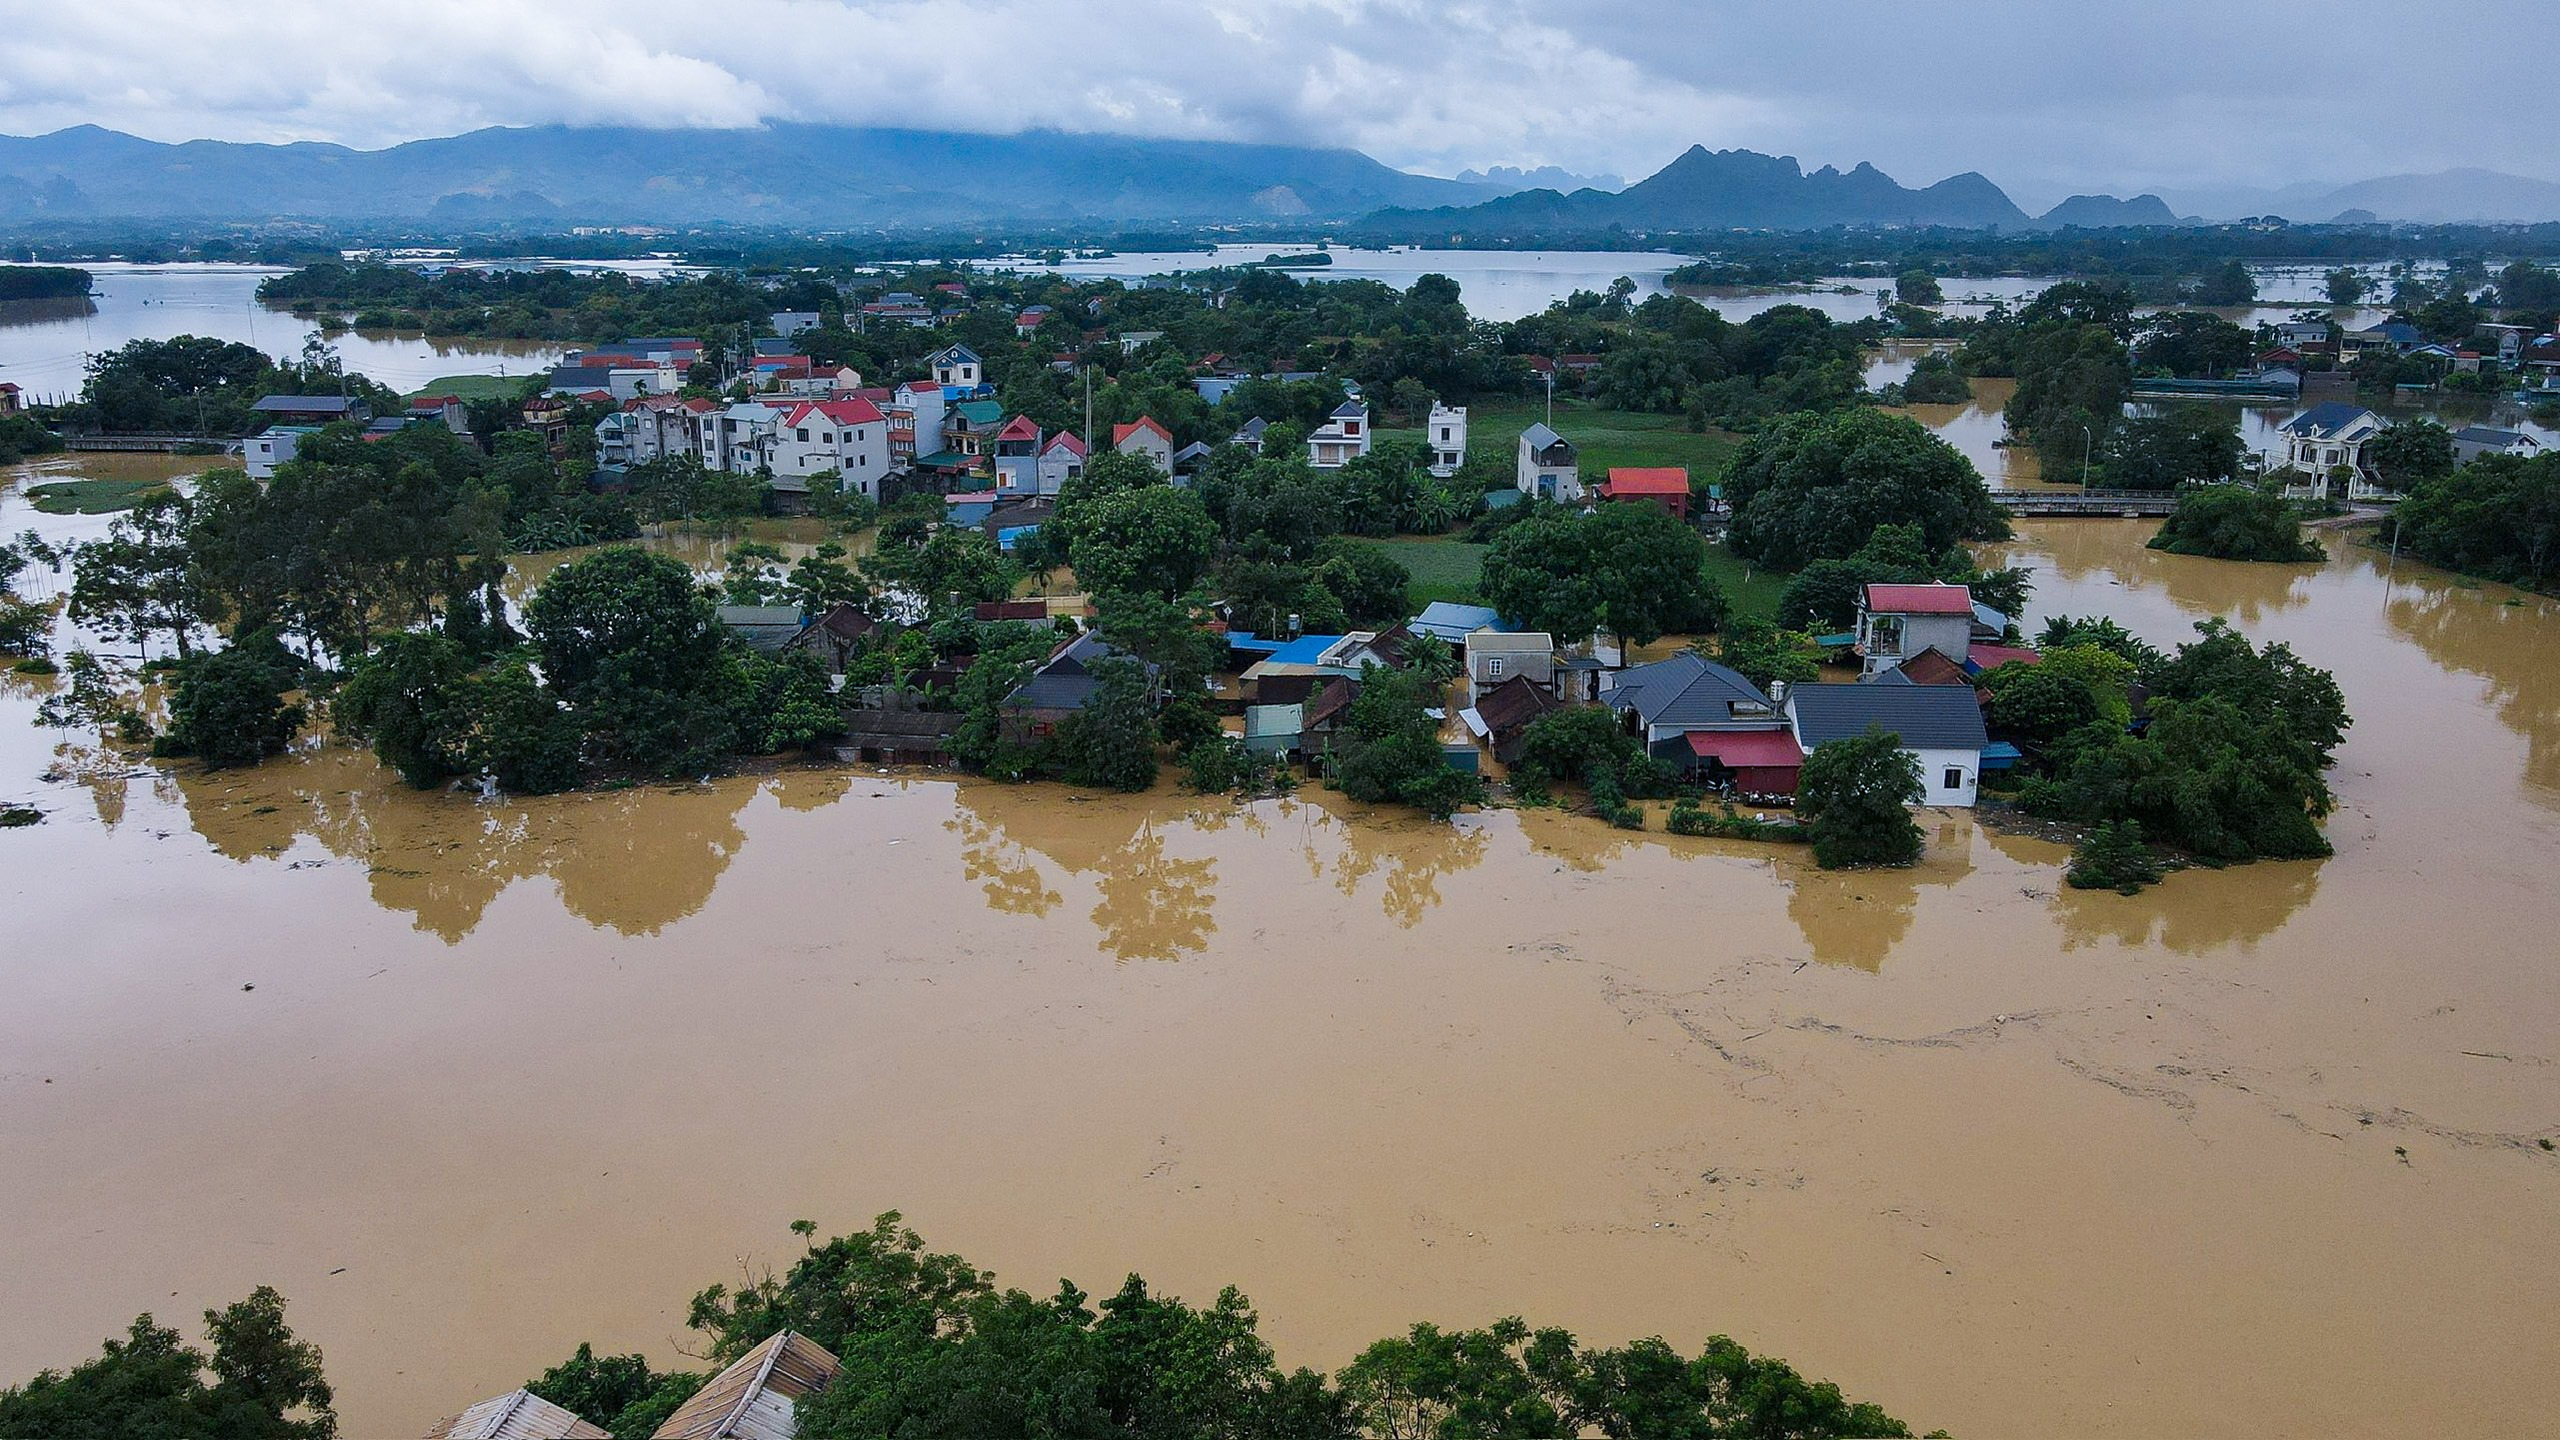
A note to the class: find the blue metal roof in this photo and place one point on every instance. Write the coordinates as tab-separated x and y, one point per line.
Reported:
1305	650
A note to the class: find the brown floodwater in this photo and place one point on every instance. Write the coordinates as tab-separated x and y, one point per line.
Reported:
2253	1152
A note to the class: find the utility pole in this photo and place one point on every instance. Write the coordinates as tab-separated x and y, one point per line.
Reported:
1551	399
1087	437
2086	440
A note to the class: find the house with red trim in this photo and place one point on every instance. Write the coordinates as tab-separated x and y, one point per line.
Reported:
849	437
1061	460
1664	485
1898	622
1143	436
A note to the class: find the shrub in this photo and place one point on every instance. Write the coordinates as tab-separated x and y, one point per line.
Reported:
2113	857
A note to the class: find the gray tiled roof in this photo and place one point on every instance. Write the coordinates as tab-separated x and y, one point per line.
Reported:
1686	691
1927	717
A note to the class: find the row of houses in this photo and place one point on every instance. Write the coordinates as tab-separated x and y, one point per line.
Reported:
290	419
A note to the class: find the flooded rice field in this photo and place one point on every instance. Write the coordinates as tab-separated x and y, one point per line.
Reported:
2257	1151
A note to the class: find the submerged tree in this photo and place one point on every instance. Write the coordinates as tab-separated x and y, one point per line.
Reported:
1854	795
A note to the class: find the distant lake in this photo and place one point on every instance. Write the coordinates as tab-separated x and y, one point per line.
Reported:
1493	284
45	344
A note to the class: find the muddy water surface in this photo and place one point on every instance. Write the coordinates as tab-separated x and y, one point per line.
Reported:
2254	1152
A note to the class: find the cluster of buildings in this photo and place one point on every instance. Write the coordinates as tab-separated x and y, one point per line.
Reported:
2326	447
290	418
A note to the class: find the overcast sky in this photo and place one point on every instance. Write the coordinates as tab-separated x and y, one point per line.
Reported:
2046	97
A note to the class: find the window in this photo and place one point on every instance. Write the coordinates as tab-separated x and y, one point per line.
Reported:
804	436
1493	666
1954	778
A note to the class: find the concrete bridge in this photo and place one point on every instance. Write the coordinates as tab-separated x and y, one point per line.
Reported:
2106	504
147	444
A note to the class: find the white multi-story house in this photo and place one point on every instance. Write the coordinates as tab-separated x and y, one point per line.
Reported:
849	437
2325	437
738	437
1344	438
957	366
1549	465
915	409
261	453
1447	432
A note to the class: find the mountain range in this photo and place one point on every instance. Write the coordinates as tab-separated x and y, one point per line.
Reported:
2445	197
825	176
796	175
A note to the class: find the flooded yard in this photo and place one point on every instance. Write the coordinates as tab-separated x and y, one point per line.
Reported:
2257	1151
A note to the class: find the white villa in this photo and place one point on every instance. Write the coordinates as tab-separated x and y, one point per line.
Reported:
1447	429
1344	438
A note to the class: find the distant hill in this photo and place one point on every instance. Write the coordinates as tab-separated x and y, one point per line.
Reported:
1509	179
1731	189
819	175
2102	212
2445	197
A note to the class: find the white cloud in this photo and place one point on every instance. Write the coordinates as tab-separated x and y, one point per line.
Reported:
2041	96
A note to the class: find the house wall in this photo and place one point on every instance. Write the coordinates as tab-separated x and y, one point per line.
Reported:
1949	635
1934	767
1151	445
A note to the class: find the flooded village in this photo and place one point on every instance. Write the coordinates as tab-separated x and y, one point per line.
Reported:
1982	832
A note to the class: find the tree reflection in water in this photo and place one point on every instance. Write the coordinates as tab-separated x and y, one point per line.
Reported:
633	861
1150	905
1857	917
2514	649
1414	852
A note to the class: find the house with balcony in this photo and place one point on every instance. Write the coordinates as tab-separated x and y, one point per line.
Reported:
956	367
2326	438
1549	465
1344	437
1446	430
1016	452
849	437
1899	623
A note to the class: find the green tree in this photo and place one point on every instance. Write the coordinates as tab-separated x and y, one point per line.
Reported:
619	1392
1110	743
2195	344
2113	857
2410	452
2345	287
2498	516
1918	287
1764	654
406	700
1853	795
2235	522
139	580
2179	445
634	650
1630	569
1152	541
229	709
151	1385
2229	283
1816	486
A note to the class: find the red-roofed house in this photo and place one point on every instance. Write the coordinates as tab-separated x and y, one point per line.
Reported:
1663	485
9	393
1897	622
1145	437
1061	460
1016	450
849	436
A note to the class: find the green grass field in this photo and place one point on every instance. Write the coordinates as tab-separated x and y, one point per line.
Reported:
1441	569
92	497
1606	437
472	387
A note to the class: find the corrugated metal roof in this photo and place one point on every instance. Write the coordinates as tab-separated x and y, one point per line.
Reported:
516	1415
1748	749
755	1399
1920	600
1927	717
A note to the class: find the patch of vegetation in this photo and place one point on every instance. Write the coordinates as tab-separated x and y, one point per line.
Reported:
2113	857
1688	817
2236	522
17	817
93	497
467	388
1855	795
